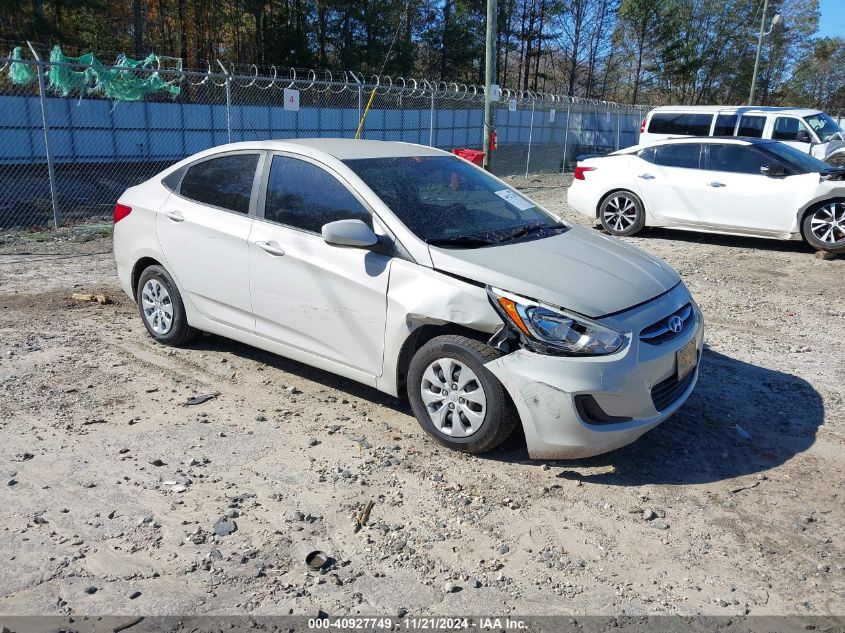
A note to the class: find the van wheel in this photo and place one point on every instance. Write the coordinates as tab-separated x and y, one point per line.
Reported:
161	308
824	226
456	399
621	213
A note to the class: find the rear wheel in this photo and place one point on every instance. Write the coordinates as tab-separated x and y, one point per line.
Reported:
621	213
824	226
161	308
456	399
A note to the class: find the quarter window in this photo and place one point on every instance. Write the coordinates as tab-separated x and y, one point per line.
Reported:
224	182
725	125
751	126
681	155
737	159
304	196
787	129
689	124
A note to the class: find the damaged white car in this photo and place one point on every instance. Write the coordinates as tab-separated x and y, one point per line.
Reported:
410	270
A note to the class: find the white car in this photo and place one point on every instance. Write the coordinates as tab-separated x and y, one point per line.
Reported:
737	186
411	270
811	131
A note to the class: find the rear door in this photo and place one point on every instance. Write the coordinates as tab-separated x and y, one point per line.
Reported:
203	229
736	196
669	179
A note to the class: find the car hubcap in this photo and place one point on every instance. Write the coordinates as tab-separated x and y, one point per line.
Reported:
828	223
157	306
454	397
620	213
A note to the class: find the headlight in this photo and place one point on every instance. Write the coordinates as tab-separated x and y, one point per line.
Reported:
550	330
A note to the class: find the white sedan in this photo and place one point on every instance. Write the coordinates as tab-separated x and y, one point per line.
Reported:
740	186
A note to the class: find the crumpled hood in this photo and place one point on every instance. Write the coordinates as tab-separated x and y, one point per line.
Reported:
580	270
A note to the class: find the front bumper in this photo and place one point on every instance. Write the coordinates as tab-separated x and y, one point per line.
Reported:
543	387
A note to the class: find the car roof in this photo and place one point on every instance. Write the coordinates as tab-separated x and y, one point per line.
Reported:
731	140
340	148
737	109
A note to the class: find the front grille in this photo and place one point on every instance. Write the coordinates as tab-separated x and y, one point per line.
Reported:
664	394
662	332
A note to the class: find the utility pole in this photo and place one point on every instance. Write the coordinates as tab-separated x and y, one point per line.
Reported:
489	76
775	20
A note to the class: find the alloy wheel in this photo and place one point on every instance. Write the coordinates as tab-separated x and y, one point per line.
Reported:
620	213
453	397
828	223
157	306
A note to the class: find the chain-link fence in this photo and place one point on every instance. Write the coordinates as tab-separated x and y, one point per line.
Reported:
66	158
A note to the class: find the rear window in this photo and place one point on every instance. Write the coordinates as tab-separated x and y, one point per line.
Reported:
677	123
751	126
686	155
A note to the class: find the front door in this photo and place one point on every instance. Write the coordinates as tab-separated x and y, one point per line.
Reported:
203	229
328	301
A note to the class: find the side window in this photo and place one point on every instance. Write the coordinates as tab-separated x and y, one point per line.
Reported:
787	128
681	124
681	155
725	125
172	181
647	154
737	159
751	126
222	182
304	196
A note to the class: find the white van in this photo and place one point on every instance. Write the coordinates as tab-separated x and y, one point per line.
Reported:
811	131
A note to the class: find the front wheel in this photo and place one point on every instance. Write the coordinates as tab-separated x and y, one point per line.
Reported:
622	214
824	226
456	399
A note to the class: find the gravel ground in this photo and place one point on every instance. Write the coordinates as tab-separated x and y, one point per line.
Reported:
120	497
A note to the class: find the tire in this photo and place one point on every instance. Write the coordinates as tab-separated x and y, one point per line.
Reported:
622	214
824	226
469	427
157	296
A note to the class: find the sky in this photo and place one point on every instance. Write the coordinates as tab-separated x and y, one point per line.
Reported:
832	21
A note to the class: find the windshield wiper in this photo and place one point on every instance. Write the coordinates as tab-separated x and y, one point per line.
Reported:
457	241
533	228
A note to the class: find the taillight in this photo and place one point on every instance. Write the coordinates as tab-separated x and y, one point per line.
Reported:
642	126
580	171
120	212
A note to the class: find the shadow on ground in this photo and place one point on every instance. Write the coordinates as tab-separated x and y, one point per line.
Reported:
700	444
730	241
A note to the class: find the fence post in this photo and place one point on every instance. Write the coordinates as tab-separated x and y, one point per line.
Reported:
431	122
530	135
566	137
360	102
617	127
229	107
51	171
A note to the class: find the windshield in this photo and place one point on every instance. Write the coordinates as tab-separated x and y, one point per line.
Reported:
800	161
824	127
446	202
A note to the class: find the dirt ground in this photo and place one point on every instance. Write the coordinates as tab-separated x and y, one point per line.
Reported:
112	485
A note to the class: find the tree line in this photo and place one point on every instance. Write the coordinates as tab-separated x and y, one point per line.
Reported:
631	51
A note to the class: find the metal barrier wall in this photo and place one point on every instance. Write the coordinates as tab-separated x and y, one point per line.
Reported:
66	159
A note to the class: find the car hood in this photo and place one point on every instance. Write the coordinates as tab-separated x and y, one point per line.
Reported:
580	270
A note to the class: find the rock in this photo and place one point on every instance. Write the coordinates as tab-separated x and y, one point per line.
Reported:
260	418
313	441
649	515
474	583
825	256
134	595
157	463
660	525
503	548
178	488
224	526
450	587
91	590
12	482
205	397
401	612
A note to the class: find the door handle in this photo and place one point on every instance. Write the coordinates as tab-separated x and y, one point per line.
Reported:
715	184
646	176
176	216
271	247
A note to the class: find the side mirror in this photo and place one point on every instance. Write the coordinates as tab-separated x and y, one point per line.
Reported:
802	136
772	170
349	233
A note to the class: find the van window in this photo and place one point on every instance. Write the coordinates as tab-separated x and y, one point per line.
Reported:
751	126
686	155
676	123
787	128
725	125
